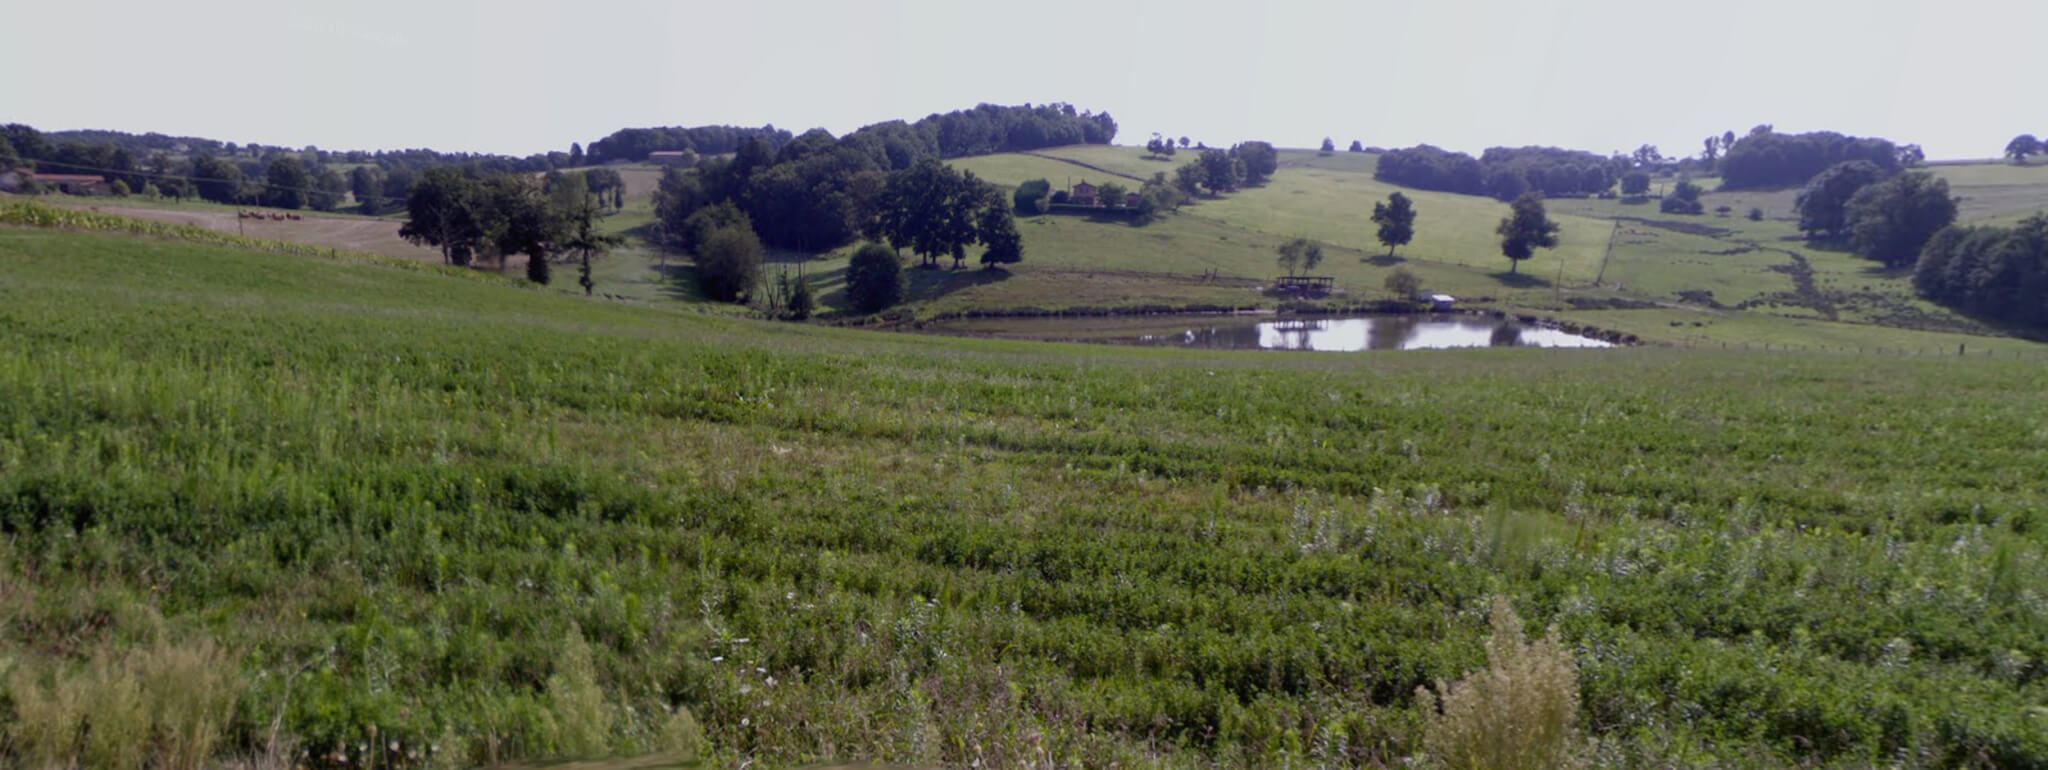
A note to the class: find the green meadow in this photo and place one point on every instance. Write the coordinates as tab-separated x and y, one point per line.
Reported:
354	513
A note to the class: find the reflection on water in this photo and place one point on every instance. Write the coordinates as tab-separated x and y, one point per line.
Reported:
1400	332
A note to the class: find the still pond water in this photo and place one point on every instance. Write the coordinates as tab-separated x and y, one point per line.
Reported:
1223	332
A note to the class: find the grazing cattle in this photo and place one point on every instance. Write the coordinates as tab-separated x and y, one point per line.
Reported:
276	217
292	217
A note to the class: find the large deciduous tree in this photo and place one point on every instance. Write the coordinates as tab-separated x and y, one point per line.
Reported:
1821	205
2022	146
1396	219
729	263
1527	228
1260	161
997	230
1890	221
441	212
1635	183
1221	172
217	179
329	188
367	184
284	183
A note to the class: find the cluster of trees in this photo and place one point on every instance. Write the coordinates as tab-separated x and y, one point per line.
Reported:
1502	172
1511	171
1684	199
2000	273
1766	158
469	216
1884	217
892	145
817	194
1160	146
1221	171
635	144
224	172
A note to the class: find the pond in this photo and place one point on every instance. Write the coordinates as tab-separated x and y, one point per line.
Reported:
1256	332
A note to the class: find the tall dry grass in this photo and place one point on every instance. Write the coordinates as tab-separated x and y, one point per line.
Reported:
1519	713
165	706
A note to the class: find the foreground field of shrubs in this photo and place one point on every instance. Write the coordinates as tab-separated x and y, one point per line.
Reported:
347	515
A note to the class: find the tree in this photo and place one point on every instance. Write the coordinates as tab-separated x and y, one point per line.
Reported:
1403	284
1356	146
1635	183
1328	146
366	183
1647	154
1396	219
1111	194
874	278
995	228
8	157
1684	199
328	190
1030	197
1220	172
1183	142
217	179
1712	151
1756	214
2022	146
1723	210
1299	254
1188	179
1890	221
1260	161
729	263
575	157
284	183
803	300
1156	195
1821	204
516	219
1727	141
119	189
1526	229
440	212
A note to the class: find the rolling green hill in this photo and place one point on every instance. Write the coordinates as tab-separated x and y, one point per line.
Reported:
352	514
1708	280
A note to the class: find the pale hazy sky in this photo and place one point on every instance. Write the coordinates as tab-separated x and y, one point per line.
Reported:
1960	77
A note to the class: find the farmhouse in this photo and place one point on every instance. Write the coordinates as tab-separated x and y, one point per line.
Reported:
1083	195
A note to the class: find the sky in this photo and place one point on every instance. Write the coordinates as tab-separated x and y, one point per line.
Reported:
1958	77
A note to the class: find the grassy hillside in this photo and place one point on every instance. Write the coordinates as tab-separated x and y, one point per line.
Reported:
398	514
1708	280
